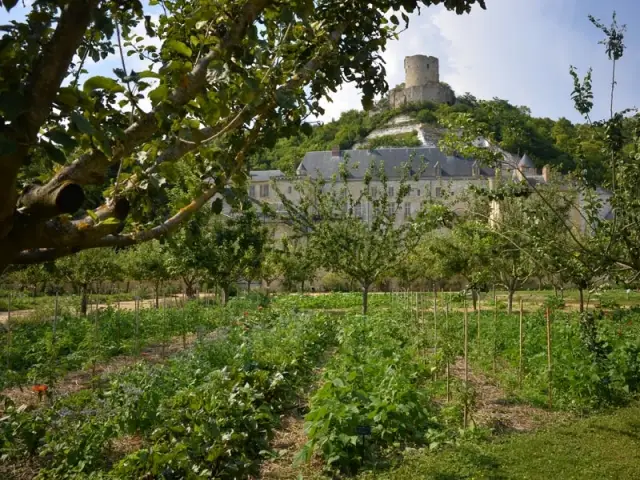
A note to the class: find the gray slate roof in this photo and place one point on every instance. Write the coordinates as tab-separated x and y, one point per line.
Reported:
526	162
324	164
264	175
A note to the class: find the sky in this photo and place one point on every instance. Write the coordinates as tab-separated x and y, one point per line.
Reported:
520	51
517	50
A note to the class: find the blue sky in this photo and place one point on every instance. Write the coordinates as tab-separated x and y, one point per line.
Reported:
519	50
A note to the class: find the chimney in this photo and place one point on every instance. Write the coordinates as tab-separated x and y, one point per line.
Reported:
546	173
335	151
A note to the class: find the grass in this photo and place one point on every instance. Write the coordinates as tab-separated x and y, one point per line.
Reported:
600	447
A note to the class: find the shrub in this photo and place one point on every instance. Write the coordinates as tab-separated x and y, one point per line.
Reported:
334	282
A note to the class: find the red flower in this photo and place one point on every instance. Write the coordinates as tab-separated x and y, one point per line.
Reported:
259	308
40	388
629	323
246	314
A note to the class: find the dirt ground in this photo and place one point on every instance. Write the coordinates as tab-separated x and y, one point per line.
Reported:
128	305
495	409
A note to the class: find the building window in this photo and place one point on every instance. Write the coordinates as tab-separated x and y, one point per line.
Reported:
357	210
437	170
438	192
415	192
391	211
374	192
407	210
252	191
289	189
391	191
264	190
475	170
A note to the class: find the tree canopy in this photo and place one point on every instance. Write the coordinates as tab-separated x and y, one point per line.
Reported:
83	158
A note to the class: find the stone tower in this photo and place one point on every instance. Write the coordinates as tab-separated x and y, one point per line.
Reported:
420	70
422	83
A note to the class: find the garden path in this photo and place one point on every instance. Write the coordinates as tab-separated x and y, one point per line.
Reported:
496	409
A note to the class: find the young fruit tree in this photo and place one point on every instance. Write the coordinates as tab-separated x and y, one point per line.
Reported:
183	253
230	246
86	269
232	75
359	232
296	262
148	262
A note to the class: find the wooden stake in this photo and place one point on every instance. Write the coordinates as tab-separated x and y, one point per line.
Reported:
549	358
164	322
466	363
9	333
520	371
55	320
137	328
495	329
448	389
435	319
478	313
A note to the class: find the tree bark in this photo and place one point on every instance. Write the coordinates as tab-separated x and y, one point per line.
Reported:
157	292
83	299
365	299
510	301
474	299
224	295
189	290
581	293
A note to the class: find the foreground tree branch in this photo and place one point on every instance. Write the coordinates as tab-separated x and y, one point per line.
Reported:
43	84
221	65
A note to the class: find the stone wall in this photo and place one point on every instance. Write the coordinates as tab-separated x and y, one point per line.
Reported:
430	92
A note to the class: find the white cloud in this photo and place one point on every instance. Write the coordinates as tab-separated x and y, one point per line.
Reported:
518	50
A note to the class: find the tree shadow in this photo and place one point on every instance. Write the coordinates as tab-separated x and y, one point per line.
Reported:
633	430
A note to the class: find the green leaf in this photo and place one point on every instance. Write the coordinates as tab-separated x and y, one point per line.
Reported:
54	153
61	137
394	20
178	47
82	124
93	215
216	206
102	83
110	221
67	96
306	129
7	145
11	105
338	383
159	94
148	74
9	4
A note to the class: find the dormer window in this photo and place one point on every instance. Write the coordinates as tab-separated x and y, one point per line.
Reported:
475	169
436	169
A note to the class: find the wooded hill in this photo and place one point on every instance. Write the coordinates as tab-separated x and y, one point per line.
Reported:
570	147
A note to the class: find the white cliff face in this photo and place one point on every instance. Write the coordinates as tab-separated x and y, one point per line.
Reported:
428	135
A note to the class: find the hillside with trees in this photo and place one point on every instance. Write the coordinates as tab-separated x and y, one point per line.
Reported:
561	143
